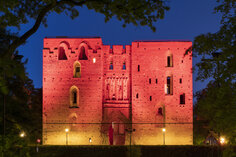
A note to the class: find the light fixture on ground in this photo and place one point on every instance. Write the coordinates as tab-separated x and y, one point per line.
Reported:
22	134
222	140
67	131
163	131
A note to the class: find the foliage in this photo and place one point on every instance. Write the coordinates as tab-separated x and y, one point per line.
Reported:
137	12
22	102
216	103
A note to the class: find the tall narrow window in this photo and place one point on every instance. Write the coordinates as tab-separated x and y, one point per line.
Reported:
137	95
182	98
62	54
169	85
82	55
138	67
124	66
77	70
180	80
170	61
74	97
156	81
150	98
111	65
150	81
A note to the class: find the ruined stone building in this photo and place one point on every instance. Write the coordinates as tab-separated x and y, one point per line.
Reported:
104	93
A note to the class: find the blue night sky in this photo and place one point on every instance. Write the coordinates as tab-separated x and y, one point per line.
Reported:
185	20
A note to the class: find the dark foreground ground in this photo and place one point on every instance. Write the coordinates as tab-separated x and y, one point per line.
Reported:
124	151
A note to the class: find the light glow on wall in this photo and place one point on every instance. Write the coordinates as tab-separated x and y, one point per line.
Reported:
94	60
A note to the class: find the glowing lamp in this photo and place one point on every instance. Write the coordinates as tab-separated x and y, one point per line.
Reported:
222	140
90	140
163	130
94	60
22	134
66	130
38	140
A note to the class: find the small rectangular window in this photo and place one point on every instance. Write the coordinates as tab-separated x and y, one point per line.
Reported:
182	99
156	81
150	81
180	80
168	61
111	66
150	98
137	95
169	85
138	67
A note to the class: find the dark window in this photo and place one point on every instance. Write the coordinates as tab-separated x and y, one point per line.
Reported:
150	81
182	99
138	67
77	69
137	95
111	66
180	80
168	61
62	54
124	66
74	97
156	81
82	55
150	98
160	111
169	85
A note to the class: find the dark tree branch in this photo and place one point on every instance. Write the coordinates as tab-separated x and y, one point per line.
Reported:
21	40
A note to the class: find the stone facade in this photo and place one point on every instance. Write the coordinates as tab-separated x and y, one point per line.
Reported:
93	89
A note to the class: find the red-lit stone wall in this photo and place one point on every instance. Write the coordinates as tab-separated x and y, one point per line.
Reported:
149	81
119	94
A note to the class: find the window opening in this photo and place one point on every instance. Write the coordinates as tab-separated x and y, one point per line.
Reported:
138	67
156	81
180	80
170	61
160	111
182	99
77	70
62	54
150	81
124	66
137	95
82	55
150	98
169	85
74	97
111	65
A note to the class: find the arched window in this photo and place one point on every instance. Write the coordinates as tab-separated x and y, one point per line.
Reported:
82	55
74	97
62	54
77	70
